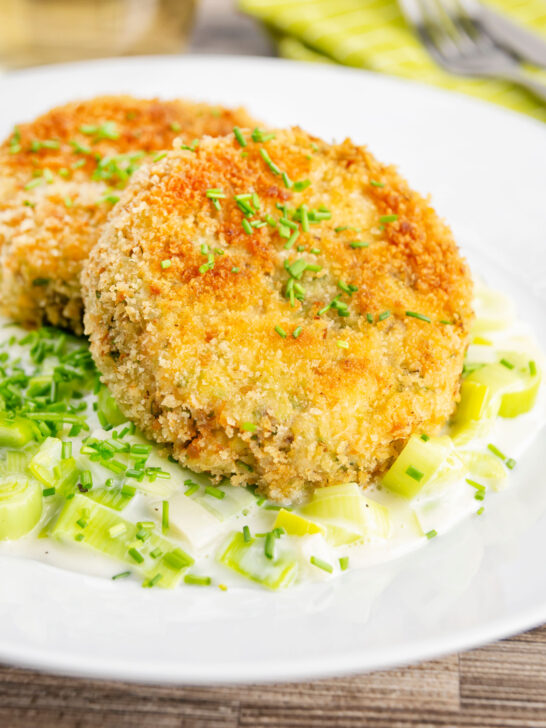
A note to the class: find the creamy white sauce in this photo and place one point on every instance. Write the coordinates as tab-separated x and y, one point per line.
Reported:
439	510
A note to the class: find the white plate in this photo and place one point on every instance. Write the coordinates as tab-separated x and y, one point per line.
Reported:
485	579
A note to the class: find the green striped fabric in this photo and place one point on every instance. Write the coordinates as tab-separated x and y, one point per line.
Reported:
373	34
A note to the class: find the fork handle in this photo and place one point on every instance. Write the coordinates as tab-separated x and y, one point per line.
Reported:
523	79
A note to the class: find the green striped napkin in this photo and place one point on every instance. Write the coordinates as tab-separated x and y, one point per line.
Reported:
373	34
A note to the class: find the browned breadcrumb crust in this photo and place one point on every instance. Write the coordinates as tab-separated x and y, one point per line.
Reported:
47	230
192	353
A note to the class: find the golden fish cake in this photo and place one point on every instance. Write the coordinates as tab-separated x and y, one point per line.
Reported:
282	311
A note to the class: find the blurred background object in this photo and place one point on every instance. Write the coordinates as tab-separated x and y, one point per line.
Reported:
374	35
33	32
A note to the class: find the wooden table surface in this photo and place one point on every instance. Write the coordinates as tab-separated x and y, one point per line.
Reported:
499	685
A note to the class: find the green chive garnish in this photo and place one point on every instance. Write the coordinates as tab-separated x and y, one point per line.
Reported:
388	218
506	363
166	264
247	227
248	426
344	563
532	368
238	134
269	545
121	575
358	244
420	316
246	534
343	344
384	315
374	183
320	564
297	331
431	534
48	491
267	159
136	555
281	332
414	473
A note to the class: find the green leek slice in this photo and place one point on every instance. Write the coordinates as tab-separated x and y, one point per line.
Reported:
494	311
20	506
418	463
248	558
16	432
108	407
91	525
348	514
484	465
110	497
296	525
48	466
234	501
522	395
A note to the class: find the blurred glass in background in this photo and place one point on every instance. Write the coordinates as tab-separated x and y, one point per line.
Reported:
33	32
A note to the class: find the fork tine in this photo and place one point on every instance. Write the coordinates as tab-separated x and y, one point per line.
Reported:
473	35
434	25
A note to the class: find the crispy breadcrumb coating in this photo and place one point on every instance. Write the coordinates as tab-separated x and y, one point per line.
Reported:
289	363
60	175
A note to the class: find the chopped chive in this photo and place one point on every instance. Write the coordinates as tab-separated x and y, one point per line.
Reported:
258	135
288	223
320	564
215	492
166	264
431	534
375	183
81	522
164	516
292	239
248	426
420	316
358	244
214	193
121	575
474	484
425	437
506	363
256	200
388	218
235	269
281	332
414	473
302	184
156	553
48	491
479	495
369	318
128	490
342	344
315	251
159	157
136	555
197	580
344	563
510	463
149	583
267	159
384	315
33	183
175	126
446	322
238	134
246	226
68	202
496	451
532	368
66	450
480	511
269	545
246	534
192	489
287	181
297	331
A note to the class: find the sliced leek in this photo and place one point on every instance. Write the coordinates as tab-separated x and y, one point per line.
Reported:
348	514
94	526
248	558
20	506
48	466
108	408
16	431
418	463
296	525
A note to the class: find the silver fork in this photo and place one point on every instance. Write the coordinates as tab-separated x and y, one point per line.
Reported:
461	46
